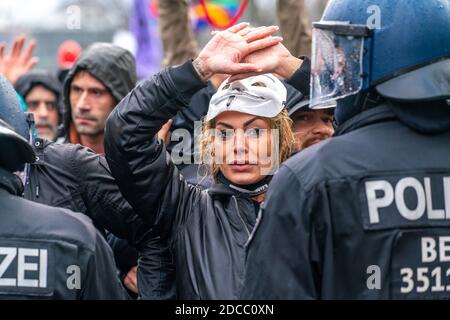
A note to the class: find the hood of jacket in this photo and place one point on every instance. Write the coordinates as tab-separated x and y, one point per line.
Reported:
34	78
114	66
426	117
26	83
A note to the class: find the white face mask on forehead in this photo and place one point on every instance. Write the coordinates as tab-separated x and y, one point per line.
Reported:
263	96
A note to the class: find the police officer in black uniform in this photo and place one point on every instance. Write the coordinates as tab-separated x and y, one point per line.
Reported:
45	252
366	214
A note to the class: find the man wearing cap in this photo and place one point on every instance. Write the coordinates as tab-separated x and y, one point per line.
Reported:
309	126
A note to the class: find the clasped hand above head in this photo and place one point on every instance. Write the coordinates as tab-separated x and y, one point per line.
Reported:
242	51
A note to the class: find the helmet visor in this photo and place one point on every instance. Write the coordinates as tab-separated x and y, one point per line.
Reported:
336	67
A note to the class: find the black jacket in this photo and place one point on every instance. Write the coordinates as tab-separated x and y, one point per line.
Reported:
64	256
75	178
206	229
186	120
360	216
115	68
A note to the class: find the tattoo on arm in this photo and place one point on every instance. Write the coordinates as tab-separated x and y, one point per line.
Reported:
204	74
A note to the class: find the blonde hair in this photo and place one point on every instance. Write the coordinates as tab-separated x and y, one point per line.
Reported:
286	142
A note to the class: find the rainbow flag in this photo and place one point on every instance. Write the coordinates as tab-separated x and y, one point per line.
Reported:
221	11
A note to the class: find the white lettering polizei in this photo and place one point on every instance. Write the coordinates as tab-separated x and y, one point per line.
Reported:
24	267
447	196
10	255
402	185
432	213
376	203
382	194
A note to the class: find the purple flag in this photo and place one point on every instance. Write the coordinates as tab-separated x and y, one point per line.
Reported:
144	26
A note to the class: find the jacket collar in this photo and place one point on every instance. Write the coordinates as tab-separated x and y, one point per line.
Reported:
225	188
11	183
218	190
377	114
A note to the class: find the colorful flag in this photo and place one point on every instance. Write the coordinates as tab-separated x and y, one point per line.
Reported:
144	26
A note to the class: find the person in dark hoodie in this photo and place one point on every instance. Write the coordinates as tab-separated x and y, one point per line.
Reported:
180	45
47	253
100	78
42	94
366	214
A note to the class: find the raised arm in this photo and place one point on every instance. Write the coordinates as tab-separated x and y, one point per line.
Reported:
177	36
18	61
139	162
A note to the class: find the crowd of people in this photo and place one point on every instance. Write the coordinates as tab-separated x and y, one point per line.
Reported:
300	178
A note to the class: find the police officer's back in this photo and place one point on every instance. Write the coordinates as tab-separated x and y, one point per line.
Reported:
45	252
366	214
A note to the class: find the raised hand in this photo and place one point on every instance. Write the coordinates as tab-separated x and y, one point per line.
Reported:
225	51
275	59
17	62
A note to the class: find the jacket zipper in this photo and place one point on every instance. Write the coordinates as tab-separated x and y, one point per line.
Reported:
239	215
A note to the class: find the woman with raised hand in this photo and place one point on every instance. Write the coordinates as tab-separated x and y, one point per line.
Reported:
246	135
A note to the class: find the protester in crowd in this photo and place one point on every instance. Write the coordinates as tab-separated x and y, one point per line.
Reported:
207	230
179	45
42	94
99	79
310	126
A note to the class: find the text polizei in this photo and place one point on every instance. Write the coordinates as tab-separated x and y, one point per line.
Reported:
384	194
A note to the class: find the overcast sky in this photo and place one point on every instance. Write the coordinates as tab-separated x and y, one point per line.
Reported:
26	11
